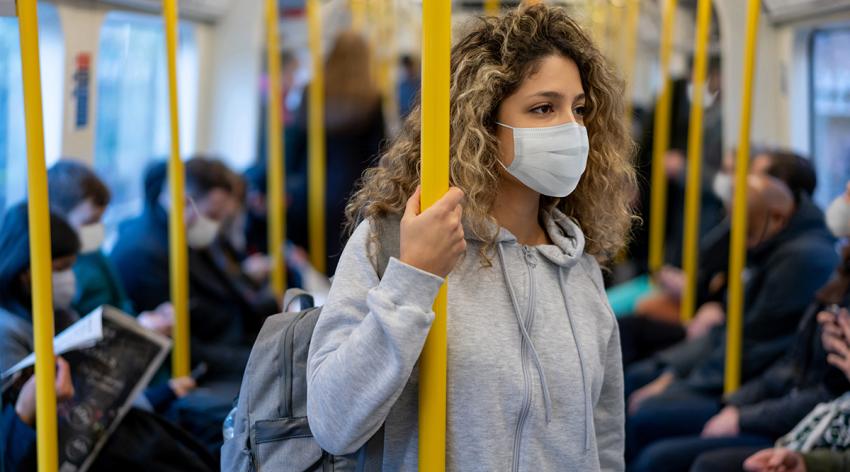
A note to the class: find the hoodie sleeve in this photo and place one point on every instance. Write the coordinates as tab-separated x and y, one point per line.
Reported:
365	345
609	412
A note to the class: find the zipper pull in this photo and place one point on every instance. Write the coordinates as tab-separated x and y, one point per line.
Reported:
530	259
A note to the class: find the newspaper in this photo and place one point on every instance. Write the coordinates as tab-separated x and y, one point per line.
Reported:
112	360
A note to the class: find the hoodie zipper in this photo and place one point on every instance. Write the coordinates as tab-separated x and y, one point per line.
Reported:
530	264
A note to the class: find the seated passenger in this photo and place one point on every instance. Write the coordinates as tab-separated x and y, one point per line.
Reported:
519	245
657	325
166	446
17	437
81	197
218	311
782	243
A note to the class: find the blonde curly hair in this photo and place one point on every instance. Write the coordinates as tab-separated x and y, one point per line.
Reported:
487	66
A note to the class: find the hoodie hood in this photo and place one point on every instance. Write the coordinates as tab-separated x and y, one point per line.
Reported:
567	238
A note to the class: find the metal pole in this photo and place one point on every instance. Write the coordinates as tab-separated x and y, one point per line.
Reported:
178	251
690	256
39	233
661	141
436	45
737	249
317	164
274	165
492	7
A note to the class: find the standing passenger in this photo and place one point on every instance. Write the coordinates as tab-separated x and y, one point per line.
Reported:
354	126
541	176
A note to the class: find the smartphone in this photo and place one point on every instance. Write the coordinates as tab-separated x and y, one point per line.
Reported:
199	371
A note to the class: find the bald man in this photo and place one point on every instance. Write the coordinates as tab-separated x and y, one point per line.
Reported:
790	254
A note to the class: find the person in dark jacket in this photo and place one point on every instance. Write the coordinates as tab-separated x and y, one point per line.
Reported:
653	331
77	194
218	312
354	125
783	242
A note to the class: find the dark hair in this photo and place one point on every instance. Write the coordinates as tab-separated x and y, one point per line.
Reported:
795	170
15	253
204	174
71	183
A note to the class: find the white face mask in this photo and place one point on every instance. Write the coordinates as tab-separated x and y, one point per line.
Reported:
91	237
838	217
722	187
203	231
708	97
64	289
549	160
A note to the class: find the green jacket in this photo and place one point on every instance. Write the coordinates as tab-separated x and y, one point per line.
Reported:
98	284
827	460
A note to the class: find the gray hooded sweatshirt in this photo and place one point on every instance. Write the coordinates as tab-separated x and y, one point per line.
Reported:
535	380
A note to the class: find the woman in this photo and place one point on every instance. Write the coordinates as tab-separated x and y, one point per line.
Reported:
354	124
534	369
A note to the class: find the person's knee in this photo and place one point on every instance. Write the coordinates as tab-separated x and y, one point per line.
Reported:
655	458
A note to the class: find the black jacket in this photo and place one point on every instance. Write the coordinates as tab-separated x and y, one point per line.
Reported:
218	312
774	402
782	277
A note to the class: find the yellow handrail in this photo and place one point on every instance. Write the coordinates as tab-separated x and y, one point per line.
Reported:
275	178
661	140
632	37
492	7
178	251
358	14
690	256
436	47
39	232
317	164
737	246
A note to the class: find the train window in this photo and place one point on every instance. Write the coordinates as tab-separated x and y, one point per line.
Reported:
132	106
830	72
13	163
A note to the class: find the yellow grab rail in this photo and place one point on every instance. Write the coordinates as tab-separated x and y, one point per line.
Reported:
737	246
39	233
632	36
436	53
690	254
661	140
274	164
317	163
358	14
178	251
492	7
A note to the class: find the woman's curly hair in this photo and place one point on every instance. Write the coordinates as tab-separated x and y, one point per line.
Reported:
488	65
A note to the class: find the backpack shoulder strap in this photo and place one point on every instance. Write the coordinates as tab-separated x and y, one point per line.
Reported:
389	236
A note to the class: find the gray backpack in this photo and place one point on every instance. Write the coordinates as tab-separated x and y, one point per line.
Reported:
271	431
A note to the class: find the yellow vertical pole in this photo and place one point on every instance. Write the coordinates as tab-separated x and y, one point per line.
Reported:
358	14
690	256
492	7
39	231
737	246
317	165
661	140
600	25
632	37
275	158
178	251
436	53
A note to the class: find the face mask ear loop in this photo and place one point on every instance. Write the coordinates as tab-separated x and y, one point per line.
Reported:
198	214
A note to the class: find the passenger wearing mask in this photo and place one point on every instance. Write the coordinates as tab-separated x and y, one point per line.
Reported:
165	446
778	415
658	324
683	384
355	129
541	153
77	194
220	316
